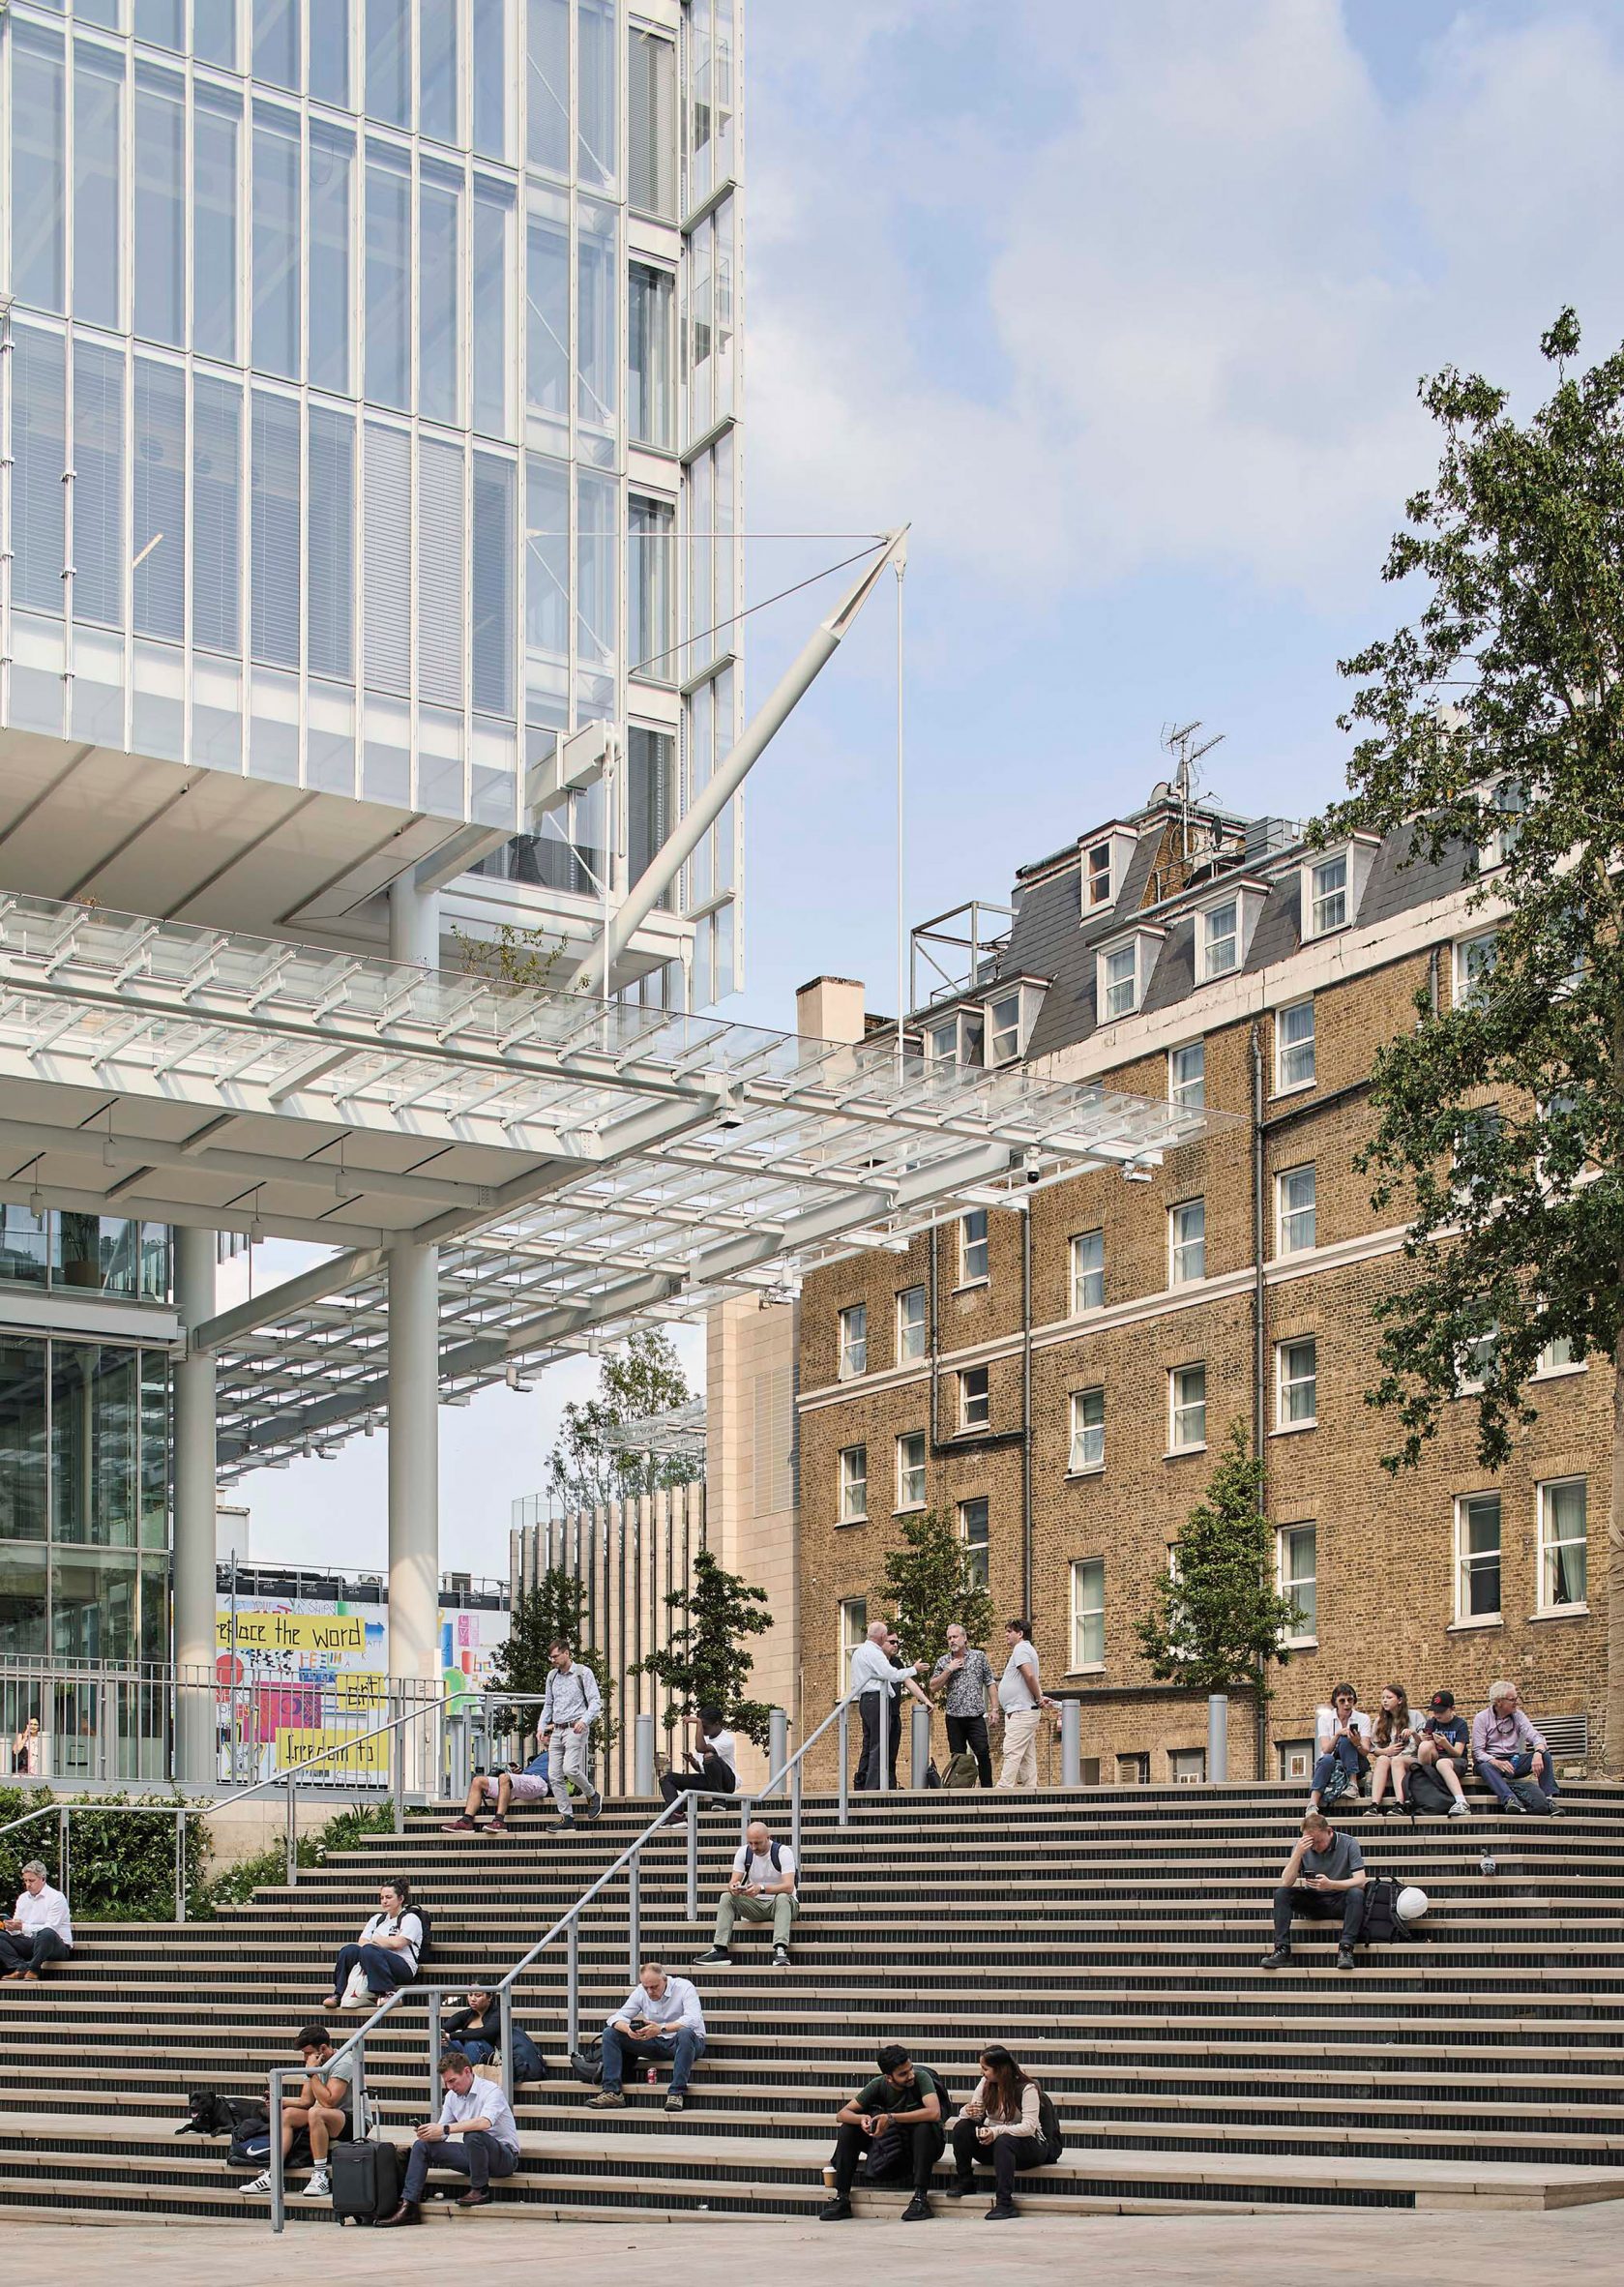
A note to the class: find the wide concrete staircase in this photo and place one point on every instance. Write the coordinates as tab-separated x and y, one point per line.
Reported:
1112	1939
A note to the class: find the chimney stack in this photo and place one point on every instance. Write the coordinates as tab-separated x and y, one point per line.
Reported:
830	1008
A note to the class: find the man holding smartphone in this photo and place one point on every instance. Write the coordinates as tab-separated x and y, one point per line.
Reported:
1323	1879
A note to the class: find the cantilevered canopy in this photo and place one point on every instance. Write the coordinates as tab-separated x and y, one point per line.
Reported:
677	1434
579	1165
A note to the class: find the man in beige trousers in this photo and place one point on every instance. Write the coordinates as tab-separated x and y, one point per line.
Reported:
1019	1710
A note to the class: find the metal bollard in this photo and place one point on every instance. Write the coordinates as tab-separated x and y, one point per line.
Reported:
693	1855
1218	1738
461	1758
845	1761
1071	1743
882	1778
919	1746
643	1773
777	1748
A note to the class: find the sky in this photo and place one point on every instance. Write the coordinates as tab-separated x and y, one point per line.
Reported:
1122	305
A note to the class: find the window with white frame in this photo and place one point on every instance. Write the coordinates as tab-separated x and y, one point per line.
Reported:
973	1521
1186	1409
1187	1766
1003	1028
910	1324
854	1630
1296	1568
1219	929
1088	1272
1477	1556
1328	895
1294	1047
1474	1361
1122	980
1295	1210
910	1470
1558	1356
972	1247
1187	1076
1474	962
854	1340
941	1042
1187	1242
1297	1383
975	1399
1564	1544
854	1484
1088	1612
1099	888
1088	1431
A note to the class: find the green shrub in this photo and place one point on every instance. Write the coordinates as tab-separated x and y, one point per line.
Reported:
268	1870
120	1869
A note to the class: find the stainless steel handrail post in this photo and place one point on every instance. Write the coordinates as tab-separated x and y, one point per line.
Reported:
635	1913
436	2042
292	1836
692	1855
572	1987
278	2185
795	1811
398	1769
179	1864
62	1848
504	2005
845	1761
882	1780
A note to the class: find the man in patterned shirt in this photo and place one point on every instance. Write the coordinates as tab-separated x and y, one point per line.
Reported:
965	1678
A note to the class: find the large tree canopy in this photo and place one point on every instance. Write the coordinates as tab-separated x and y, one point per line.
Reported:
1492	726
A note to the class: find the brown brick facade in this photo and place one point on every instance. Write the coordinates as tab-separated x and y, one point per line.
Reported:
1387	1563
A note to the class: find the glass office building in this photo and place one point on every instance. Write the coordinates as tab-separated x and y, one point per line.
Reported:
369	395
370	404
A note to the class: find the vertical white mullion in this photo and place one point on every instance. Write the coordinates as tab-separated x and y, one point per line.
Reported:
126	568
6	389
245	554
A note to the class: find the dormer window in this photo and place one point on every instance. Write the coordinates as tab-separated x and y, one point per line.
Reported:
1224	925
955	1039
1332	886
1104	868
1122	973
1098	887
1011	1015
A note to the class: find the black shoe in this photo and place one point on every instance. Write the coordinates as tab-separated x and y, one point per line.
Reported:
838	2210
593	1804
961	2187
1345	1958
781	1957
1001	2211
567	1825
1280	1959
406	2213
917	2209
718	1957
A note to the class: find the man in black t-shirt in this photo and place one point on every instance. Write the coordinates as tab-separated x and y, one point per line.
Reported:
897	2120
1324	1879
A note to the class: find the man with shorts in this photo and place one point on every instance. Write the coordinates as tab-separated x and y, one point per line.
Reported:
323	2108
503	1788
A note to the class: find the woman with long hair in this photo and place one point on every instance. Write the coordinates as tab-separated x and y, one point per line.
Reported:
1001	2126
1393	1738
387	1948
25	1747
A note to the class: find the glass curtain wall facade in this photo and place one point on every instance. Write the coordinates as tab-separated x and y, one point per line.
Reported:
370	396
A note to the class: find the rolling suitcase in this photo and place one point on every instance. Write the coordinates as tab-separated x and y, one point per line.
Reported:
367	2180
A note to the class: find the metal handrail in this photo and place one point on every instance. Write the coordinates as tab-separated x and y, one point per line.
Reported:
180	1812
570	1922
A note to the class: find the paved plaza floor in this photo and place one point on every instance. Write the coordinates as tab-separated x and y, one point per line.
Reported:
1577	2245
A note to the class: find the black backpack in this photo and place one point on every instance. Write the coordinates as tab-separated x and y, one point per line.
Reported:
1532	1797
1427	1793
426	1952
1048	2127
251	2145
1382	1923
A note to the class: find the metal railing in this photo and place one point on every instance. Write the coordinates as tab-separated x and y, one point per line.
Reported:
180	1812
567	1926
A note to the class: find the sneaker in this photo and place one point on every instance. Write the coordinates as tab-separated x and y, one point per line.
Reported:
781	1957
497	1826
1345	1959
839	2211
1001	2211
1460	1810
917	2209
464	1825
604	2100
319	2186
566	1824
676	2102
961	2187
593	1804
718	1957
1280	1959
260	2183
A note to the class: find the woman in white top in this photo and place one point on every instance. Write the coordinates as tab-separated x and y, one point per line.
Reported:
387	1950
1001	2126
1342	1738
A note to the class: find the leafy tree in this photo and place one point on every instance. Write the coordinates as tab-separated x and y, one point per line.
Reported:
1492	726
583	1469
1215	1620
554	1608
511	956
706	1664
929	1582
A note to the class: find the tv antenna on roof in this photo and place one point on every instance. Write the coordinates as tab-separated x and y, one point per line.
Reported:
1179	741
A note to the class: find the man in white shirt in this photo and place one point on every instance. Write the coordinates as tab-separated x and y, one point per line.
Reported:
662	2018
1021	1707
872	1677
571	1706
762	1889
39	1931
476	2136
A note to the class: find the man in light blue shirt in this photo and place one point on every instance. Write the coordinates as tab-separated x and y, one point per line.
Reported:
476	2136
871	1674
569	1707
662	2018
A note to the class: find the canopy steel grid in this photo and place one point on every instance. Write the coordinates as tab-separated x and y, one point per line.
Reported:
675	1434
579	1165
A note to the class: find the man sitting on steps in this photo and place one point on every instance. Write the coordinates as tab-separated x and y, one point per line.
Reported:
897	2120
529	1784
712	1762
323	2108
39	1931
1324	1879
662	2018
762	1889
476	2136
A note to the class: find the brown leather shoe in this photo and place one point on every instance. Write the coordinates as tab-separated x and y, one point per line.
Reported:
476	2199
406	2213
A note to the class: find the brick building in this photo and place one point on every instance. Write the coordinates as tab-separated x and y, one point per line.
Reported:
1060	1378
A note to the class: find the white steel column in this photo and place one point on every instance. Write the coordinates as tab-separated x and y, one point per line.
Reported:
414	1462
194	1487
414	923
